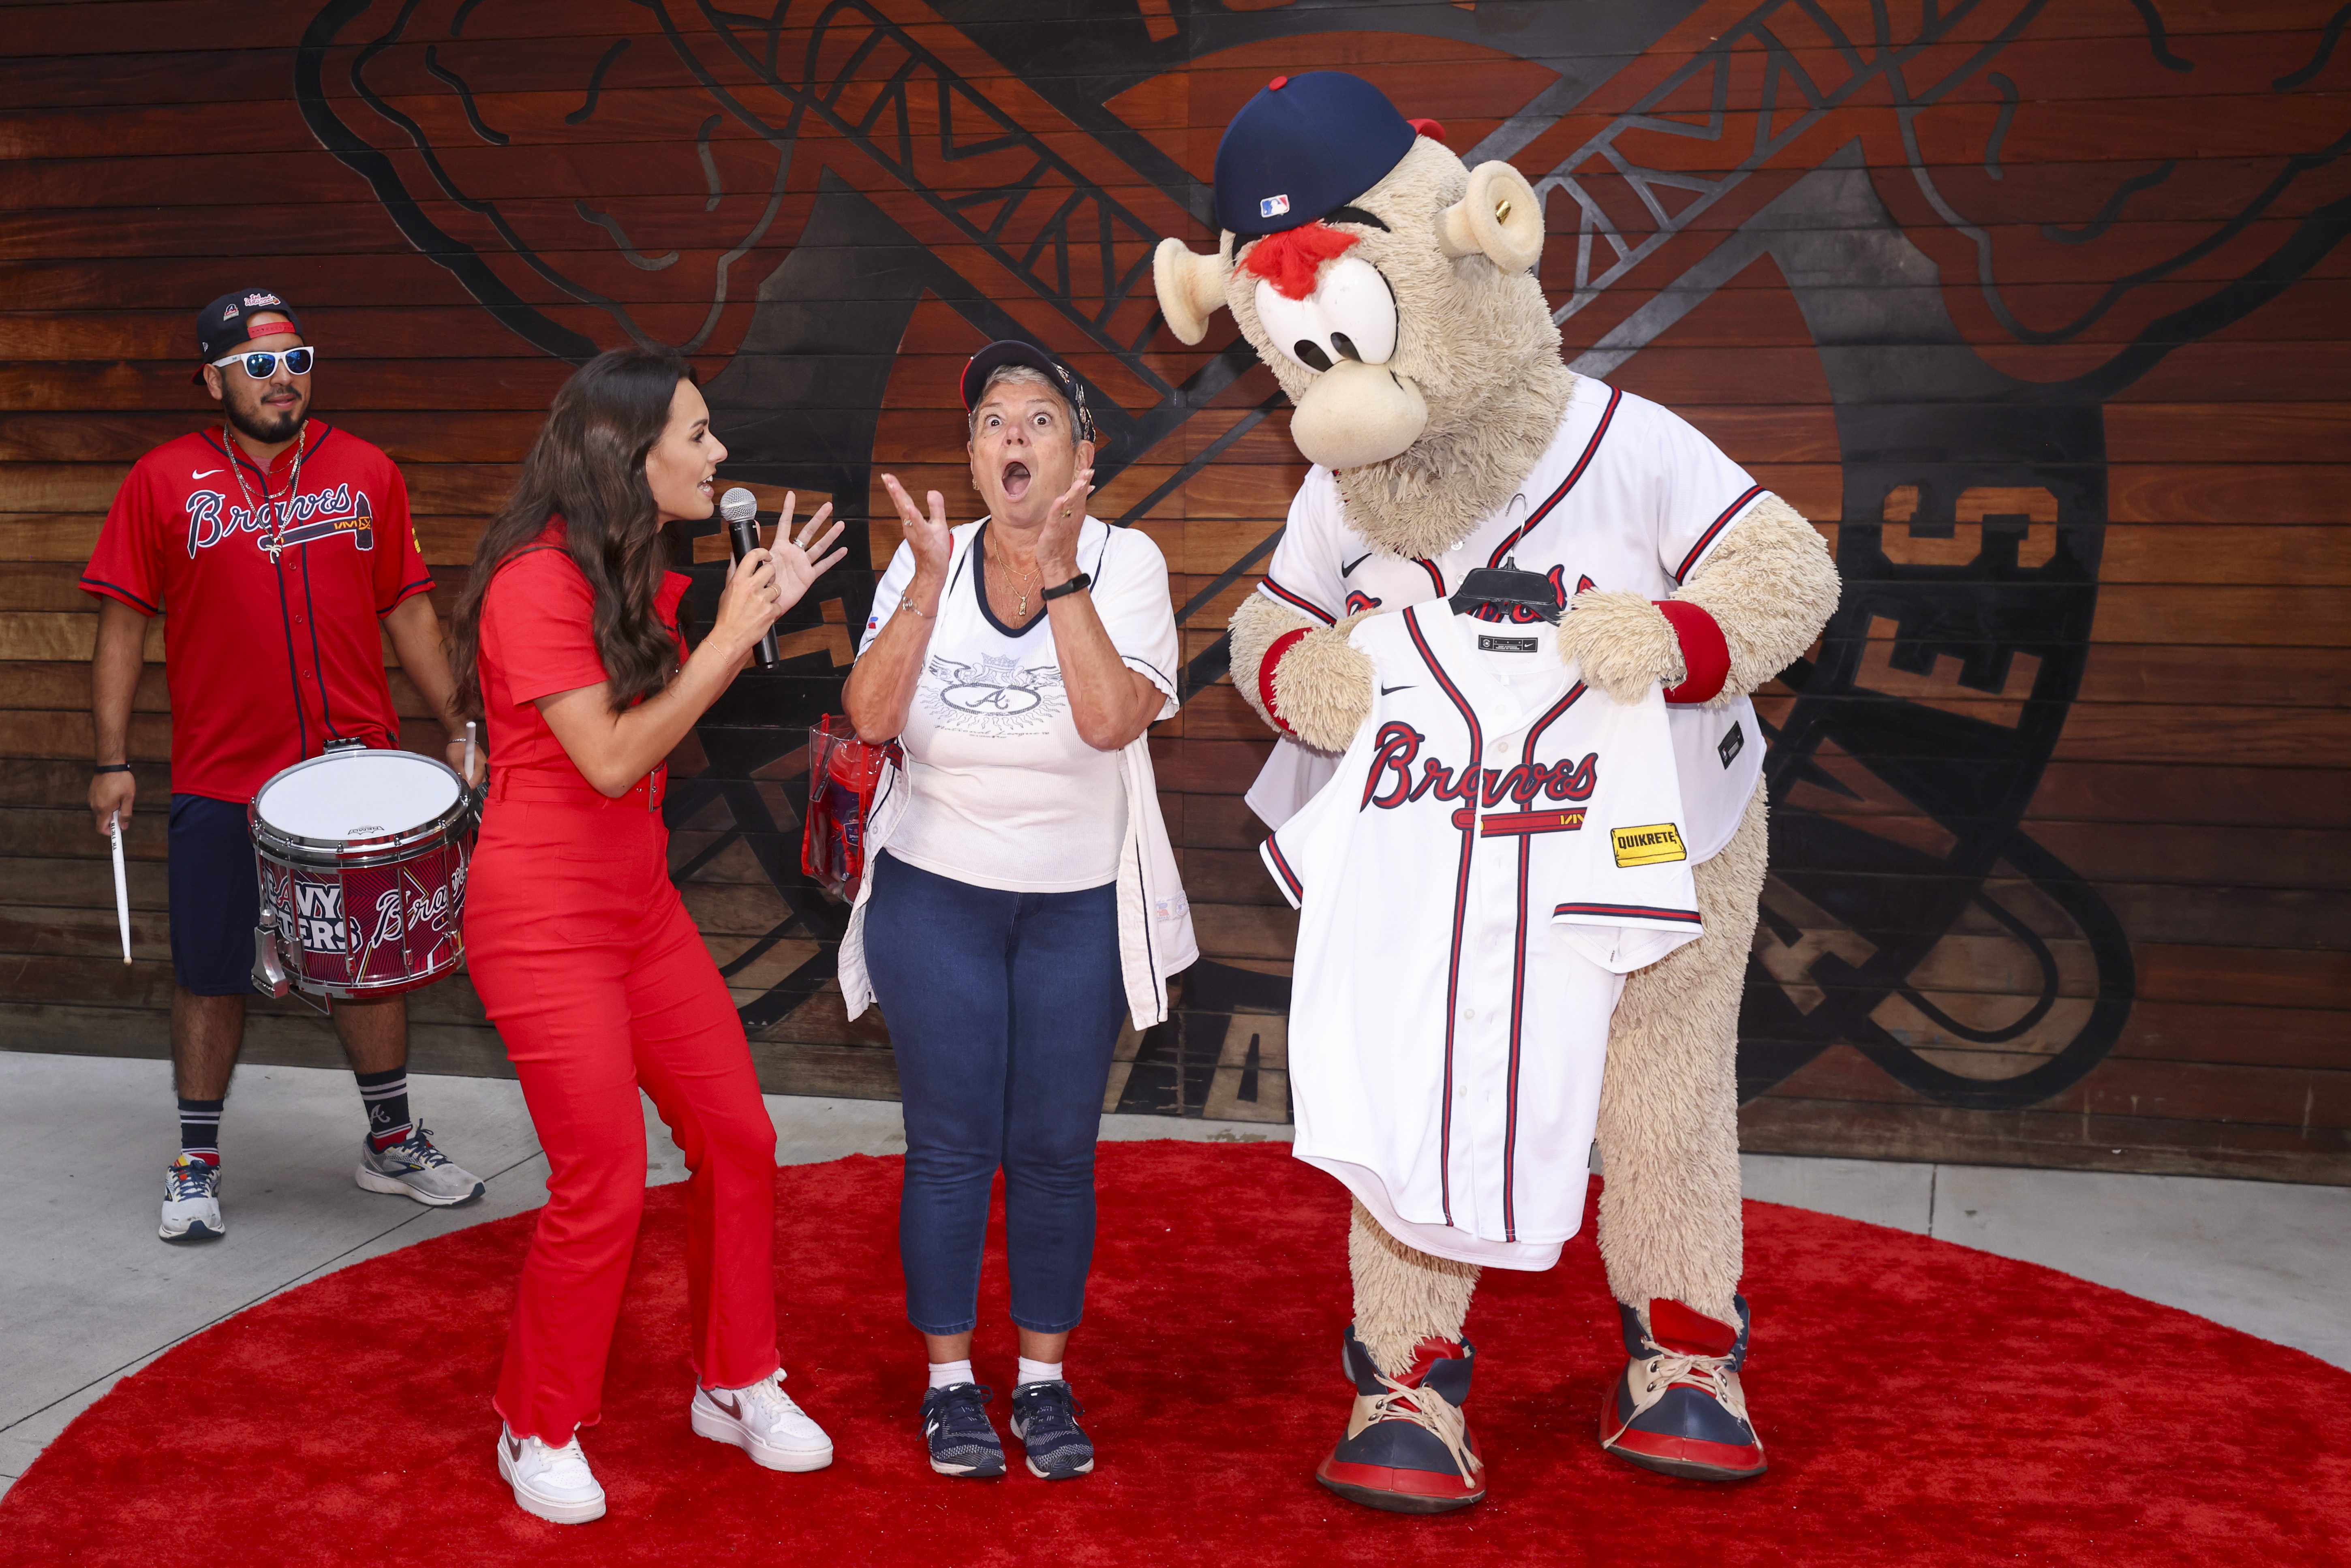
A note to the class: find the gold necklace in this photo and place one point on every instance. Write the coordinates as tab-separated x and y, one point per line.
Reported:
1021	613
277	539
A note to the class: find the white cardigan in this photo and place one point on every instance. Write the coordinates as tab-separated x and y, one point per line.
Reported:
1155	919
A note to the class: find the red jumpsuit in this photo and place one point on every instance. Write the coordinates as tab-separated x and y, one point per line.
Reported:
599	983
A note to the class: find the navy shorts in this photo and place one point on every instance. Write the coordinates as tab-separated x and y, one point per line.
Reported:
215	897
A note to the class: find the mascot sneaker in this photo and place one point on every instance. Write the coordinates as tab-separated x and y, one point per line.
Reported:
1678	1410
554	1483
763	1421
192	1209
1407	1448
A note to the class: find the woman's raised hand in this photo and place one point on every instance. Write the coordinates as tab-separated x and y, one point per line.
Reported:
928	536
1057	541
797	562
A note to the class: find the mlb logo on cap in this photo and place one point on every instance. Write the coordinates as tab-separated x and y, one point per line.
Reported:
1273	206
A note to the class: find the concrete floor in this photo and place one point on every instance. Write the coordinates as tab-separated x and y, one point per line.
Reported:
89	1295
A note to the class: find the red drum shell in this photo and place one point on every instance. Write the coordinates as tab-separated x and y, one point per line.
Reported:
370	916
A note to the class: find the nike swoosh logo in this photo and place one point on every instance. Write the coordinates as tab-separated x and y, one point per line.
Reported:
208	472
1346	570
732	1405
1405	687
514	1448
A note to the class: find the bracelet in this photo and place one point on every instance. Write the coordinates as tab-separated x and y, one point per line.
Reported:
1074	585
112	768
908	606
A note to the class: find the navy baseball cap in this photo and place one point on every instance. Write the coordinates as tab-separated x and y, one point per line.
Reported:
1302	146
220	326
1014	351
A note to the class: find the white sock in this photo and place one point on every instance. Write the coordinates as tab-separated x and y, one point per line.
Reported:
1039	1371
946	1374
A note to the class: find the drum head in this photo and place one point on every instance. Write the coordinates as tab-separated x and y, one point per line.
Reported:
356	795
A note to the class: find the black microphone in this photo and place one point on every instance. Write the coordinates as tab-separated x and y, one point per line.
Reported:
741	510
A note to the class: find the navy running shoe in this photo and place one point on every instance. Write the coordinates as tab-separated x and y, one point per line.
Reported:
1678	1408
962	1439
1408	1447
1045	1419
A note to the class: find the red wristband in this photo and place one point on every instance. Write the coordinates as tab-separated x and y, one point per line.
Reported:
1706	656
1281	645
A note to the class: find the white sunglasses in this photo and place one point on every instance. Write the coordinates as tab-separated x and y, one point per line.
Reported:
262	363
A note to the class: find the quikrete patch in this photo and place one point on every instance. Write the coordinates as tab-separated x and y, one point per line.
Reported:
1647	846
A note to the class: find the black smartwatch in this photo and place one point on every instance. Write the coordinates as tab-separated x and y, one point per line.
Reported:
1075	583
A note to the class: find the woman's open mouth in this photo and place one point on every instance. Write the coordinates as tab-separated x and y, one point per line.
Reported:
1016	480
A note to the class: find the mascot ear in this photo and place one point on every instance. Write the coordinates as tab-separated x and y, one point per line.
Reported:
1498	219
1190	286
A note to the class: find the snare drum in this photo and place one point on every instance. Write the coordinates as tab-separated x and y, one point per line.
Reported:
362	862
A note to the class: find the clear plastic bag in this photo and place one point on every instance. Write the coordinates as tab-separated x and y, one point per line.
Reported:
847	777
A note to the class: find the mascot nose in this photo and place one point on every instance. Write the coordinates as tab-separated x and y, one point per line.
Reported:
1356	414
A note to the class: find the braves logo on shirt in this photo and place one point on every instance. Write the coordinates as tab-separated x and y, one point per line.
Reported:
992	695
1391	784
321	514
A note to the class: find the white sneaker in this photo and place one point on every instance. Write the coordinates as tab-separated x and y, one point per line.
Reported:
192	1201
763	1422
554	1483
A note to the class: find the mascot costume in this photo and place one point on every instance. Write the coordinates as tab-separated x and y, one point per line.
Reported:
1390	289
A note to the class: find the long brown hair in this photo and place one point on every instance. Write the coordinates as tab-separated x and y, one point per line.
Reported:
588	466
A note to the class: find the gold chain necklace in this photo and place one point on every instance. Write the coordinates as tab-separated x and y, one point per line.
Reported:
1020	613
278	513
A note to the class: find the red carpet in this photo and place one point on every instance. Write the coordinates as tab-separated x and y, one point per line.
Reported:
1922	1404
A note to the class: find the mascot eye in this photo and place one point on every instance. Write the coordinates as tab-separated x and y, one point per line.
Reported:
1350	315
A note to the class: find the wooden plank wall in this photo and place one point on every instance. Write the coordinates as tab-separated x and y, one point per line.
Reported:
2125	603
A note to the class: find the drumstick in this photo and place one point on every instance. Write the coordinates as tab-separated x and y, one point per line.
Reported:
121	885
467	772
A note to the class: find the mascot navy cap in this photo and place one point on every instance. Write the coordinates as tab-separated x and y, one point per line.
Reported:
1302	146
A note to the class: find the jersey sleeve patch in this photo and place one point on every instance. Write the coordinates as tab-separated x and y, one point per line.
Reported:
1649	844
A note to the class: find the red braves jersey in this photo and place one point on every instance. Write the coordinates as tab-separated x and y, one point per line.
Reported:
1628	495
1499	847
269	652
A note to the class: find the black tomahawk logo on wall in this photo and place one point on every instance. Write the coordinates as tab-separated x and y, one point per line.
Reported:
1903	755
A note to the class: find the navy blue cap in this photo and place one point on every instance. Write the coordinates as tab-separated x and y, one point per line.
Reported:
1013	352
1301	147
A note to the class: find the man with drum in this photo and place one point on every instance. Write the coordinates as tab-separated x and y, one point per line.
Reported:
275	545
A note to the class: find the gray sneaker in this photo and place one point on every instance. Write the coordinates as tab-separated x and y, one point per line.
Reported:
415	1168
191	1211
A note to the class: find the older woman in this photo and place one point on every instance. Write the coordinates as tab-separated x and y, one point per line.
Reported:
1027	898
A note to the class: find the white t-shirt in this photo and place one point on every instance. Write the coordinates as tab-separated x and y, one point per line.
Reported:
1005	793
1629	495
1495	852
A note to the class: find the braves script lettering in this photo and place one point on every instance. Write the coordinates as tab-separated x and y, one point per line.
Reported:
321	513
1398	746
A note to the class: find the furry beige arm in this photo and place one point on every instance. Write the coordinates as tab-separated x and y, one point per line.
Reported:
1322	687
1771	586
1254	627
1621	643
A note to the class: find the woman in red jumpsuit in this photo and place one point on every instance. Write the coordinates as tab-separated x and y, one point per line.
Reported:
566	642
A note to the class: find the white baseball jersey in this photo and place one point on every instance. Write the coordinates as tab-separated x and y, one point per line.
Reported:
1499	847
1628	496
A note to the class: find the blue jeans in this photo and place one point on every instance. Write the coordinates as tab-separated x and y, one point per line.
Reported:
1003	1009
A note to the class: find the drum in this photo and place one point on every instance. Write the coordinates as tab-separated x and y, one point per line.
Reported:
362	862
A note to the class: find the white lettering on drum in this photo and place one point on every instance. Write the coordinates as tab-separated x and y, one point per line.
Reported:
320	908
